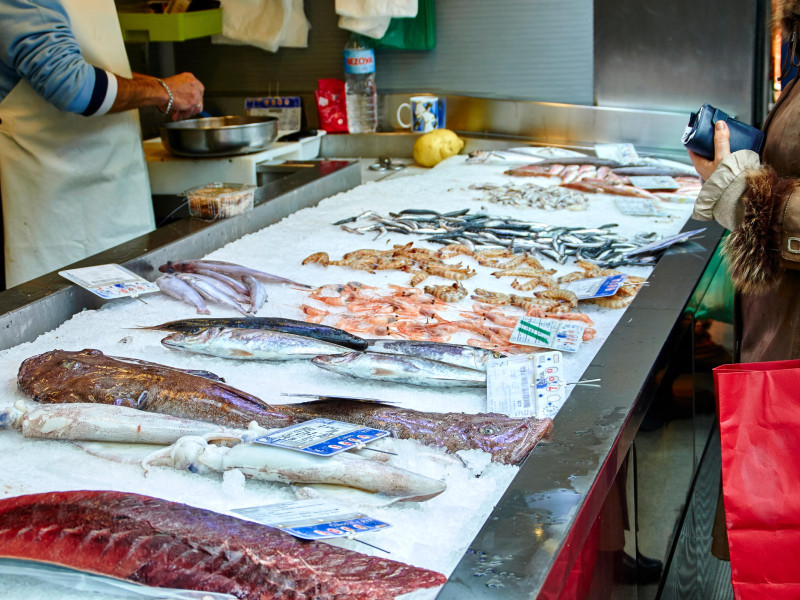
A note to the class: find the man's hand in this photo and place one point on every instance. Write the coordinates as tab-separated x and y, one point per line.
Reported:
722	148
187	95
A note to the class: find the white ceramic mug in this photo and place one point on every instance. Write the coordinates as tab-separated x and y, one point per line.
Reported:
427	114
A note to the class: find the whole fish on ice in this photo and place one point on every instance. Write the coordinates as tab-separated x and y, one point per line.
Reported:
62	376
412	370
456	354
251	344
166	544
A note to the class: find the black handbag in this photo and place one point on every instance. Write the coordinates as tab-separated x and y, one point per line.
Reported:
699	134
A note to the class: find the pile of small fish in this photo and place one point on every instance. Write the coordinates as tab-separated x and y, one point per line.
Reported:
600	244
532	195
195	281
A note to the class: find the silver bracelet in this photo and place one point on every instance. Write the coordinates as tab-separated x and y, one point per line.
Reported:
169	93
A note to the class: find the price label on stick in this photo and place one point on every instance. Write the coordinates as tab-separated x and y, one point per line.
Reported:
548	333
596	287
312	519
532	385
322	437
110	281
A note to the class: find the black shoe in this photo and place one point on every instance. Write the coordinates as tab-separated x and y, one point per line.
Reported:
642	569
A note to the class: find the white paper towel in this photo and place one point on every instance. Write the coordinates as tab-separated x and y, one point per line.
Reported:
372	17
266	24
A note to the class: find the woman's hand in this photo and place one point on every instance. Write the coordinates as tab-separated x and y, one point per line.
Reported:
722	148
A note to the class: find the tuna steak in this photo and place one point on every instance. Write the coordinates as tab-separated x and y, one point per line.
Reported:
166	544
91	376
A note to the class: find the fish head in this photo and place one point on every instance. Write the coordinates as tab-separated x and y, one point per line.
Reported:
508	440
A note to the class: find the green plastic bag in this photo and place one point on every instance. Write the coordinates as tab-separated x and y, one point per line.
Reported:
412	33
717	302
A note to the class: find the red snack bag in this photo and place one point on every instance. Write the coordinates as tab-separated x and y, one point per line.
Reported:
331	105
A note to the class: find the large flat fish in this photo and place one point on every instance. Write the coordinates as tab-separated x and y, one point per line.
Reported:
166	544
91	376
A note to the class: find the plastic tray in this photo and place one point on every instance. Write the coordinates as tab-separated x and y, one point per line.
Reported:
175	27
213	201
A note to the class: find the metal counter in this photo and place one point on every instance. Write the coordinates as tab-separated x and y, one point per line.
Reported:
529	543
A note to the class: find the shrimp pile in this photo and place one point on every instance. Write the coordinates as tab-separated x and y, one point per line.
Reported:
414	314
421	262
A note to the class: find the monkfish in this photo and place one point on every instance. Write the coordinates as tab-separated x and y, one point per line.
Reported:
91	376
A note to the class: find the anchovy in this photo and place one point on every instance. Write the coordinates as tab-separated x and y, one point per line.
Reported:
412	370
251	344
91	376
313	330
455	354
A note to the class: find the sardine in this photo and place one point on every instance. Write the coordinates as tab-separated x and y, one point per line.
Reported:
412	370
91	376
251	344
455	354
324	333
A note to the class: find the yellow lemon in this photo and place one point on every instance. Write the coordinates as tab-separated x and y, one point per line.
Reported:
433	147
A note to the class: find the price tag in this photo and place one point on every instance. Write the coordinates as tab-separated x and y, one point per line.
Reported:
622	153
533	385
595	287
322	437
287	109
548	333
110	281
312	519
639	207
654	182
665	242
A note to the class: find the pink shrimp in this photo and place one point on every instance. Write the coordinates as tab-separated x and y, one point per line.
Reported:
569	316
589	333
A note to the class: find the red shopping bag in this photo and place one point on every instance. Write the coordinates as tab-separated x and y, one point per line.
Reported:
759	422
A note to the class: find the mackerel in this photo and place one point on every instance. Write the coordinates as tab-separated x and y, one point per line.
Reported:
317	331
412	370
251	344
455	354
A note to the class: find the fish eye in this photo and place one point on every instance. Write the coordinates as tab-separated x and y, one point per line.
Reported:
487	431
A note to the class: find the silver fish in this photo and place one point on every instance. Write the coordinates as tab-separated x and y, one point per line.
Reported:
410	370
251	344
180	290
258	294
454	354
210	291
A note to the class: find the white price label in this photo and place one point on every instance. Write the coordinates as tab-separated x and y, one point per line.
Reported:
532	385
110	281
595	287
548	333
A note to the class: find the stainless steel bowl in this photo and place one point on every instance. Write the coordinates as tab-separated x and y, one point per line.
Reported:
219	136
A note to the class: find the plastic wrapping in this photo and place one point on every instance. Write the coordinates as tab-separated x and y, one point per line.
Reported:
215	200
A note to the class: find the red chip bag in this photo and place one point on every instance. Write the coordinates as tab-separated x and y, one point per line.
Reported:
331	105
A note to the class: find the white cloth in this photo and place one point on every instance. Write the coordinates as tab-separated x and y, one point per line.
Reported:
266	24
72	186
372	17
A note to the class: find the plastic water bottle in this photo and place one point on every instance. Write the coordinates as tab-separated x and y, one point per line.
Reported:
359	87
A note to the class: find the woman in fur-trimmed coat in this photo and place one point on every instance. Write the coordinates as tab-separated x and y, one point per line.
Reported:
758	199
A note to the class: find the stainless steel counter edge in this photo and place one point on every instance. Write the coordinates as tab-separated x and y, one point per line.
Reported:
527	546
44	303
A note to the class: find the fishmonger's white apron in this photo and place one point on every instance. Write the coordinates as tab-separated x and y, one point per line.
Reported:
72	186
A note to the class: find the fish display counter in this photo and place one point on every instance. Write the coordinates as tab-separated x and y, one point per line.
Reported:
489	479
